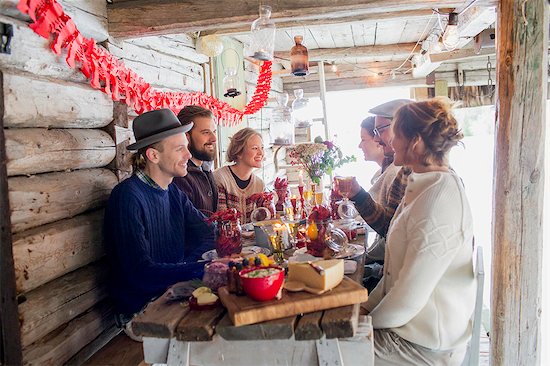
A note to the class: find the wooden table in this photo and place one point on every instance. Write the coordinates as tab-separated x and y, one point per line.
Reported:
175	335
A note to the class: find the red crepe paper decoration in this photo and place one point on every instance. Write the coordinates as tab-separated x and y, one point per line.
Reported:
109	74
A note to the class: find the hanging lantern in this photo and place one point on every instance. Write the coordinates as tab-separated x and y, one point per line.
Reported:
210	45
263	36
230	83
281	130
300	111
299	61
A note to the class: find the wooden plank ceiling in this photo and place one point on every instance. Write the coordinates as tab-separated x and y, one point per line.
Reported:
372	37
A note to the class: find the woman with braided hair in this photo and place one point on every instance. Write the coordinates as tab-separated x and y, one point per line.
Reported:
422	307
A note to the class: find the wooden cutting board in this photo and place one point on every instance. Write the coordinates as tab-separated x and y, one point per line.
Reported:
243	310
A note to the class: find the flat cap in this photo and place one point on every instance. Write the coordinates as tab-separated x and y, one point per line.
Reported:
388	109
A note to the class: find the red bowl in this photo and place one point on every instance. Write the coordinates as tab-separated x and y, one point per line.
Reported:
262	288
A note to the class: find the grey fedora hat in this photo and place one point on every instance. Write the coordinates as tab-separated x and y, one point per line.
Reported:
388	109
154	126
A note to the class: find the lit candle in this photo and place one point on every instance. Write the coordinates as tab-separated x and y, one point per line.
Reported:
301	178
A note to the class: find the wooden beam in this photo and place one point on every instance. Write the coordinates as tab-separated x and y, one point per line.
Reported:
400	50
10	336
315	23
472	77
461	55
522	55
157	17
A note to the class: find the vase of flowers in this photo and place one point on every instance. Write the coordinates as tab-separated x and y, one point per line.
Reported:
228	232
282	190
318	158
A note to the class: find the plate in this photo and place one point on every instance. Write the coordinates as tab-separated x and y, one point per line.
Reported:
250	251
352	251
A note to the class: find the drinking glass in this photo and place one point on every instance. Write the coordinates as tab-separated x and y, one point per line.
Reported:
346	209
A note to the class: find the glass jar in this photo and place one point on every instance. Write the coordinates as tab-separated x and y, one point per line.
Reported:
299	62
231	82
300	111
324	239
215	275
281	130
262	40
228	238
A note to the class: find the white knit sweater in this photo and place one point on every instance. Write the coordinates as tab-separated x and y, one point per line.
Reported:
427	293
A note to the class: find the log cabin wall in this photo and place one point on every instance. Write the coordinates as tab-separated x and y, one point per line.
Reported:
65	146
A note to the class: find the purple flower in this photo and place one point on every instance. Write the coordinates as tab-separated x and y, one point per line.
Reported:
329	144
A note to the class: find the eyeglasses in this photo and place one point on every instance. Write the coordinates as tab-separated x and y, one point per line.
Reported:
377	130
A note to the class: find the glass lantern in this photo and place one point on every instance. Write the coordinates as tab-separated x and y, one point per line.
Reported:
300	112
263	36
230	83
299	58
281	131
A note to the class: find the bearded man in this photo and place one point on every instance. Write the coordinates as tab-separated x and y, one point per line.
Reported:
199	184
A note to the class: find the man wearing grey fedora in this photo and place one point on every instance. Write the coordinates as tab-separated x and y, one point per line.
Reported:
153	234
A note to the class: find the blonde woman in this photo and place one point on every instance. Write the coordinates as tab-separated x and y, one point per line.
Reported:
236	182
422	307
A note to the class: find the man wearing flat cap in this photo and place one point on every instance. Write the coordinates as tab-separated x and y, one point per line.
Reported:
378	211
153	233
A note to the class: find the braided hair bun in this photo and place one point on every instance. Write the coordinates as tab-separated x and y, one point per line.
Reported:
433	121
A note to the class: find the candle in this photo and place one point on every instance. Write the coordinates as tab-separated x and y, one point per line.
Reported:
301	178
293	202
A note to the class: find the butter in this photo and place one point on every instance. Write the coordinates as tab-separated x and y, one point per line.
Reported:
329	277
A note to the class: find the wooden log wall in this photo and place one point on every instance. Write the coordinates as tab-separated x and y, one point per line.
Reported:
65	150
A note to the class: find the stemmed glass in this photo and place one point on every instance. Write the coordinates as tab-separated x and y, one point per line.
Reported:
346	209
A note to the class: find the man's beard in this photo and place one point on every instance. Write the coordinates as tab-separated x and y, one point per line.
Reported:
201	155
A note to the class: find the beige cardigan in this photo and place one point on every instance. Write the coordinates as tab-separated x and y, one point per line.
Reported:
231	196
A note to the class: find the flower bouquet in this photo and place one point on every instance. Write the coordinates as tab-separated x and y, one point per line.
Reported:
281	188
318	158
228	232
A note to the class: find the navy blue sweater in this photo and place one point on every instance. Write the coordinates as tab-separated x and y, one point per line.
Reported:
153	239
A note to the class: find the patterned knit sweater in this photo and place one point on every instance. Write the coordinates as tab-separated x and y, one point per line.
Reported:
231	196
153	239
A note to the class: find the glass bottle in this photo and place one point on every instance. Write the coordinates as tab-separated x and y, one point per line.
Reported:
300	112
281	130
299	61
263	36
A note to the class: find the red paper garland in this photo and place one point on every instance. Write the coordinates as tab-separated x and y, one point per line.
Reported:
110	75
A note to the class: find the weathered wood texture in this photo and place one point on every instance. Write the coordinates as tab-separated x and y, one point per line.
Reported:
10	344
61	344
89	16
160	69
39	150
32	102
328	54
273	329
334	83
45	198
199	326
121	134
160	318
169	16
31	53
309	327
50	251
522	54
52	305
